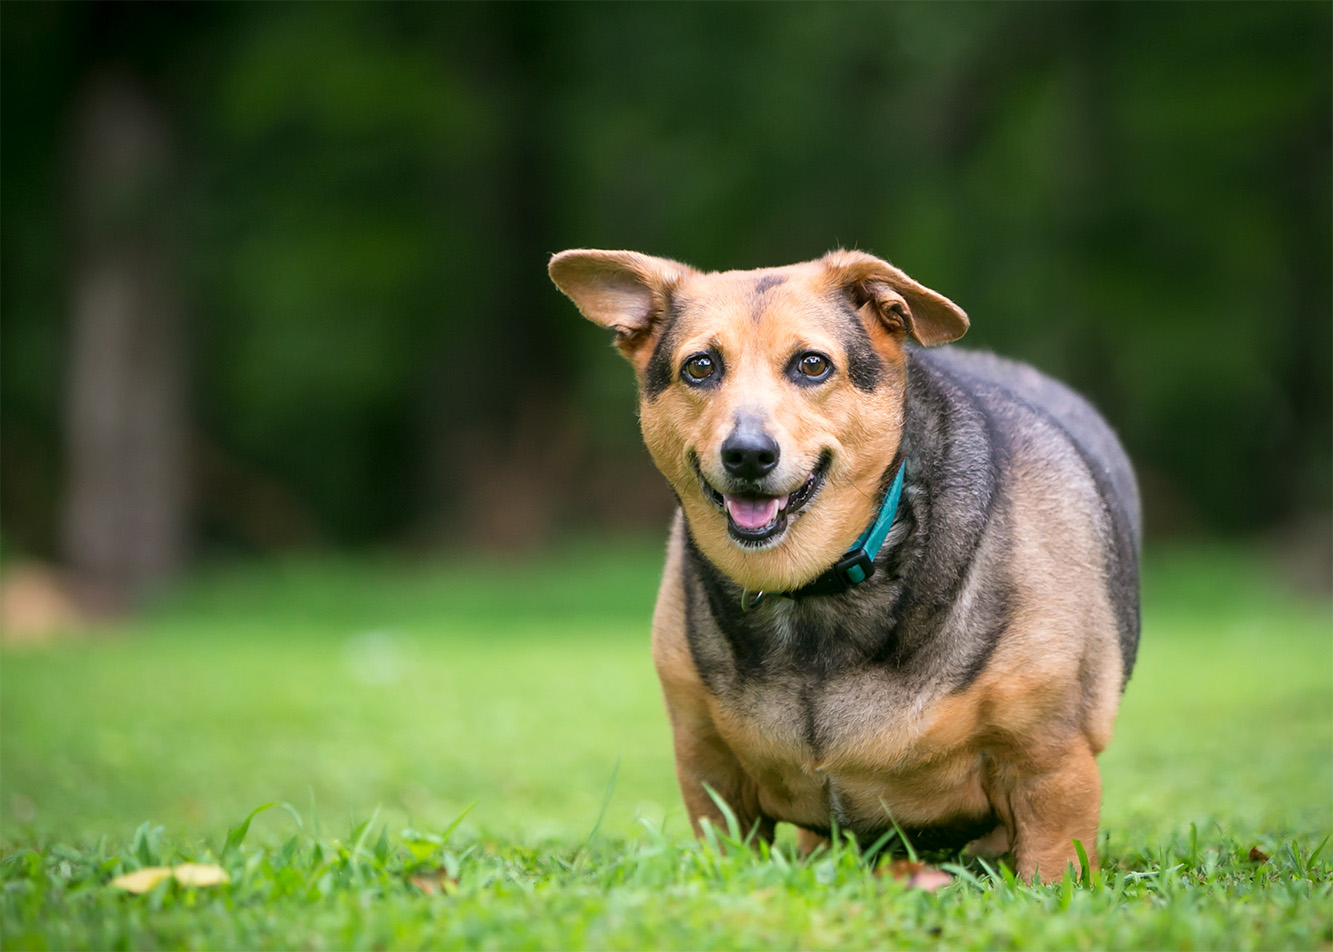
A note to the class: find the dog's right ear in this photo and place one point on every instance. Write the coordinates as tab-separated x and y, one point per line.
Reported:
902	304
621	290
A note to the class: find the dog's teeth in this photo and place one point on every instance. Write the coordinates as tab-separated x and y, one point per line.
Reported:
782	501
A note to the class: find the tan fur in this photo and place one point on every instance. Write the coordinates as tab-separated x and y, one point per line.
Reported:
1020	740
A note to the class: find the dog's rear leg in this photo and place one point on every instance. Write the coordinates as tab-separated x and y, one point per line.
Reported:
807	841
994	843
1046	803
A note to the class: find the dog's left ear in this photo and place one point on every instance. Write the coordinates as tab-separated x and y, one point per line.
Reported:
898	301
624	291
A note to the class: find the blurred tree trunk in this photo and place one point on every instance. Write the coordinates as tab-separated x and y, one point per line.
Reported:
125	508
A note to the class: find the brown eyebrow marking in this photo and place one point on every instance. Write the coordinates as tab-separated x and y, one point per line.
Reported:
764	284
864	367
658	374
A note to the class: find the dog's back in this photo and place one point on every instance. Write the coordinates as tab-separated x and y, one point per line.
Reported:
1015	396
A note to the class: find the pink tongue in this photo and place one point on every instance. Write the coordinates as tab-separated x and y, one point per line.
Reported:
753	513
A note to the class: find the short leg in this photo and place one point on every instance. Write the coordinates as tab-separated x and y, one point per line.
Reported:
1046	803
703	759
704	762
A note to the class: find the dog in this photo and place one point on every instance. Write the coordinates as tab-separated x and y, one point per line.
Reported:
901	588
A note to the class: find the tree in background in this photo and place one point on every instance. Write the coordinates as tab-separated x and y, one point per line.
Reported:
125	438
1134	197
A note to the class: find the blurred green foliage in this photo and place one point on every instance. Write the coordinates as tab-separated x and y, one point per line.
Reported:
1133	197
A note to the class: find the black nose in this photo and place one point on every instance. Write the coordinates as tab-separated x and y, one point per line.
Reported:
749	453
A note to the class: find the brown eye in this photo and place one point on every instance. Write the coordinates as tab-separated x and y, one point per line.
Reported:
699	368
814	366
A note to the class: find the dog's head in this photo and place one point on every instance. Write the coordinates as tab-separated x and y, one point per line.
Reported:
771	400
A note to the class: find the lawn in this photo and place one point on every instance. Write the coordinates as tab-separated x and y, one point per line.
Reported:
375	703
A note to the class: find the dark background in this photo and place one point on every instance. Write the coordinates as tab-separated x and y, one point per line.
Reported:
274	274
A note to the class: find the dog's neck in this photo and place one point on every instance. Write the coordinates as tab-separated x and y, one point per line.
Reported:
856	564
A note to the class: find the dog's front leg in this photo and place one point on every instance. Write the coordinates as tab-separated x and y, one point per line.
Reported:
1047	802
704	763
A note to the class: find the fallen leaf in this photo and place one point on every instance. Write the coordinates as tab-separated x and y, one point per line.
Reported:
187	874
200	874
1257	855
142	880
930	879
916	875
435	880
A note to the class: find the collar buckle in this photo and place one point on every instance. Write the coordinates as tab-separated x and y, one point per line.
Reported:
854	567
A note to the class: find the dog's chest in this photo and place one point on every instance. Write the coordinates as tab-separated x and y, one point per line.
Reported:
804	684
813	720
855	749
826	730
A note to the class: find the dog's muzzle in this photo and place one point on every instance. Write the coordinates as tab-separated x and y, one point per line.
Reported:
759	520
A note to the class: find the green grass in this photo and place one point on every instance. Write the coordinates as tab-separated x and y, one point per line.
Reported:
376	702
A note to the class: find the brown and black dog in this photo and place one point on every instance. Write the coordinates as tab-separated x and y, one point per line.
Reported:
955	677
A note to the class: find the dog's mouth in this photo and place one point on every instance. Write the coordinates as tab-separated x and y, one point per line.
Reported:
757	520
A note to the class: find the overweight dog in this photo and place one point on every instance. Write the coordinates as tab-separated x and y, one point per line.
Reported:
901	589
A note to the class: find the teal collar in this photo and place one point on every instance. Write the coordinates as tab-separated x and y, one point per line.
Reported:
857	563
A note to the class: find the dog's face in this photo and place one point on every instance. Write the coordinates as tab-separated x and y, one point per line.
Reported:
771	400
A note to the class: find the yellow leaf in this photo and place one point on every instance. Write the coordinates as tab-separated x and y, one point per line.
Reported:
200	874
187	874
142	880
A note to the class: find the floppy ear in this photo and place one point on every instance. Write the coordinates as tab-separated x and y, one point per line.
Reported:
621	290
899	302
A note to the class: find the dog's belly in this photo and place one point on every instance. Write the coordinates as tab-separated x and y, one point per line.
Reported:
941	803
858	754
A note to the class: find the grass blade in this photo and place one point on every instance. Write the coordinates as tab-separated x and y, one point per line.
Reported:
236	835
1317	850
907	844
295	814
601	814
733	824
1085	868
449	830
363	833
